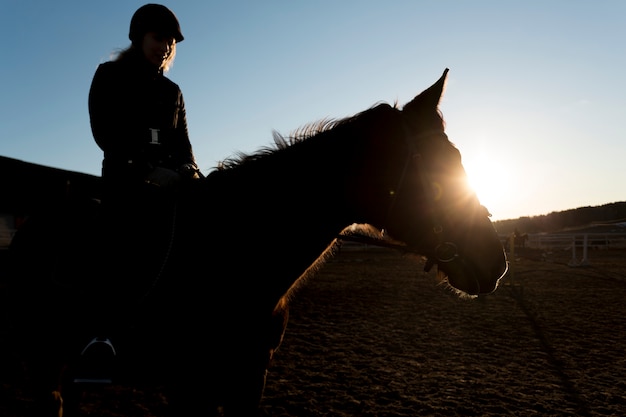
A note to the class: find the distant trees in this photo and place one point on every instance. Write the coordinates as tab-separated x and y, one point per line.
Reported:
559	220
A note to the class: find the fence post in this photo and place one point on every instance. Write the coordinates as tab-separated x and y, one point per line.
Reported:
585	260
572	261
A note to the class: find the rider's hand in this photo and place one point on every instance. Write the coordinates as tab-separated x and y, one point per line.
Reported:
163	177
188	170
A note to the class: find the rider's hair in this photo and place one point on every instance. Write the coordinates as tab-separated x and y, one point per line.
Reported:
132	50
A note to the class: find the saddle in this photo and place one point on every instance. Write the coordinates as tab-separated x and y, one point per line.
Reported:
98	250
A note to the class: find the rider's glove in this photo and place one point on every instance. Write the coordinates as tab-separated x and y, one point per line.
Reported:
163	177
188	170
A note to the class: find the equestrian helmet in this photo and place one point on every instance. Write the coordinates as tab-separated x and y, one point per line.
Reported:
154	18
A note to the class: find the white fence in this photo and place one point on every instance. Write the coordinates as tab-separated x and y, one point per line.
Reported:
578	243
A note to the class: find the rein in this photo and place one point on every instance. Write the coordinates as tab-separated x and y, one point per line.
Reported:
168	252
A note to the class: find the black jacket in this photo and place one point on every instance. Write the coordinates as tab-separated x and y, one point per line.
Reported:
138	119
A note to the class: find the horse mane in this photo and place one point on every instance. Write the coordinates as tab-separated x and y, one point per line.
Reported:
300	134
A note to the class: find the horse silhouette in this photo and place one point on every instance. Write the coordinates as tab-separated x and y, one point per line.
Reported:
201	305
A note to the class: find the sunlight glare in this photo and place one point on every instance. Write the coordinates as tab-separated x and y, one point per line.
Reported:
489	178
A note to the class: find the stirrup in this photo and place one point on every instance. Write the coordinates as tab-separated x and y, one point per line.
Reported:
95	362
99	341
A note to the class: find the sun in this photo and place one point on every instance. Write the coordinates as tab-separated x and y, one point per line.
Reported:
489	178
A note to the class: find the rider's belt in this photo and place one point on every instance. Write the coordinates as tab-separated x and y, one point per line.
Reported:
154	136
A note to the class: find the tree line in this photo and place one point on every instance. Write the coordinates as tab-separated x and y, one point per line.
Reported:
559	220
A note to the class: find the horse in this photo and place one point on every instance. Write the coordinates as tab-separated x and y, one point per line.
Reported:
206	307
518	240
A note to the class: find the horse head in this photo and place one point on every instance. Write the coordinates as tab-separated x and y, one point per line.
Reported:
429	206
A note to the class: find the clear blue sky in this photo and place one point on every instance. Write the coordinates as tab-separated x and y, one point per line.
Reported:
535	101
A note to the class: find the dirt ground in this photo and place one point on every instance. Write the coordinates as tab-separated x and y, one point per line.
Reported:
372	335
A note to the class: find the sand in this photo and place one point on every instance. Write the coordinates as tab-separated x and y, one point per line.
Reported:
372	335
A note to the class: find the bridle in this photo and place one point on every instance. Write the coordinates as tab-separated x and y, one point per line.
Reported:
444	251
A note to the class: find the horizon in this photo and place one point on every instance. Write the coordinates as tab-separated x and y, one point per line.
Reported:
566	210
494	221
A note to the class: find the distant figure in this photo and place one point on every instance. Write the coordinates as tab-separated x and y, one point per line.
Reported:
519	239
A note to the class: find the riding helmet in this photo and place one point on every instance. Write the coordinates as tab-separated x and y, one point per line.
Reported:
154	18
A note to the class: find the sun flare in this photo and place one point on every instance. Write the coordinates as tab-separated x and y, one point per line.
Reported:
489	178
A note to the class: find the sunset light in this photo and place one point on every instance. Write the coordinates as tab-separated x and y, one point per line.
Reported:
490	178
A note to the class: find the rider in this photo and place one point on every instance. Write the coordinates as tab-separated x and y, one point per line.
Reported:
138	115
138	119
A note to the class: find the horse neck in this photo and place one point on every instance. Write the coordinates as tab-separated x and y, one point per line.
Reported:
290	204
307	185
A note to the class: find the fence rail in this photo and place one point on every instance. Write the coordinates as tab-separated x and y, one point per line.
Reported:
574	242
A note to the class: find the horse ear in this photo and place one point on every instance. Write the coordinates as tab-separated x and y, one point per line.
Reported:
429	98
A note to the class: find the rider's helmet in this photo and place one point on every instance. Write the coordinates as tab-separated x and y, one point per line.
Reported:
154	18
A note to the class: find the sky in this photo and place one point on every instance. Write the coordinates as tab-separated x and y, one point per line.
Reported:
535	99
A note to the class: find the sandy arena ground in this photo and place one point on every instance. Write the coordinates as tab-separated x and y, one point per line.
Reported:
372	335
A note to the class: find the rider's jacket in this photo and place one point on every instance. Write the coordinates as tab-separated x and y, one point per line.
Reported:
138	119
